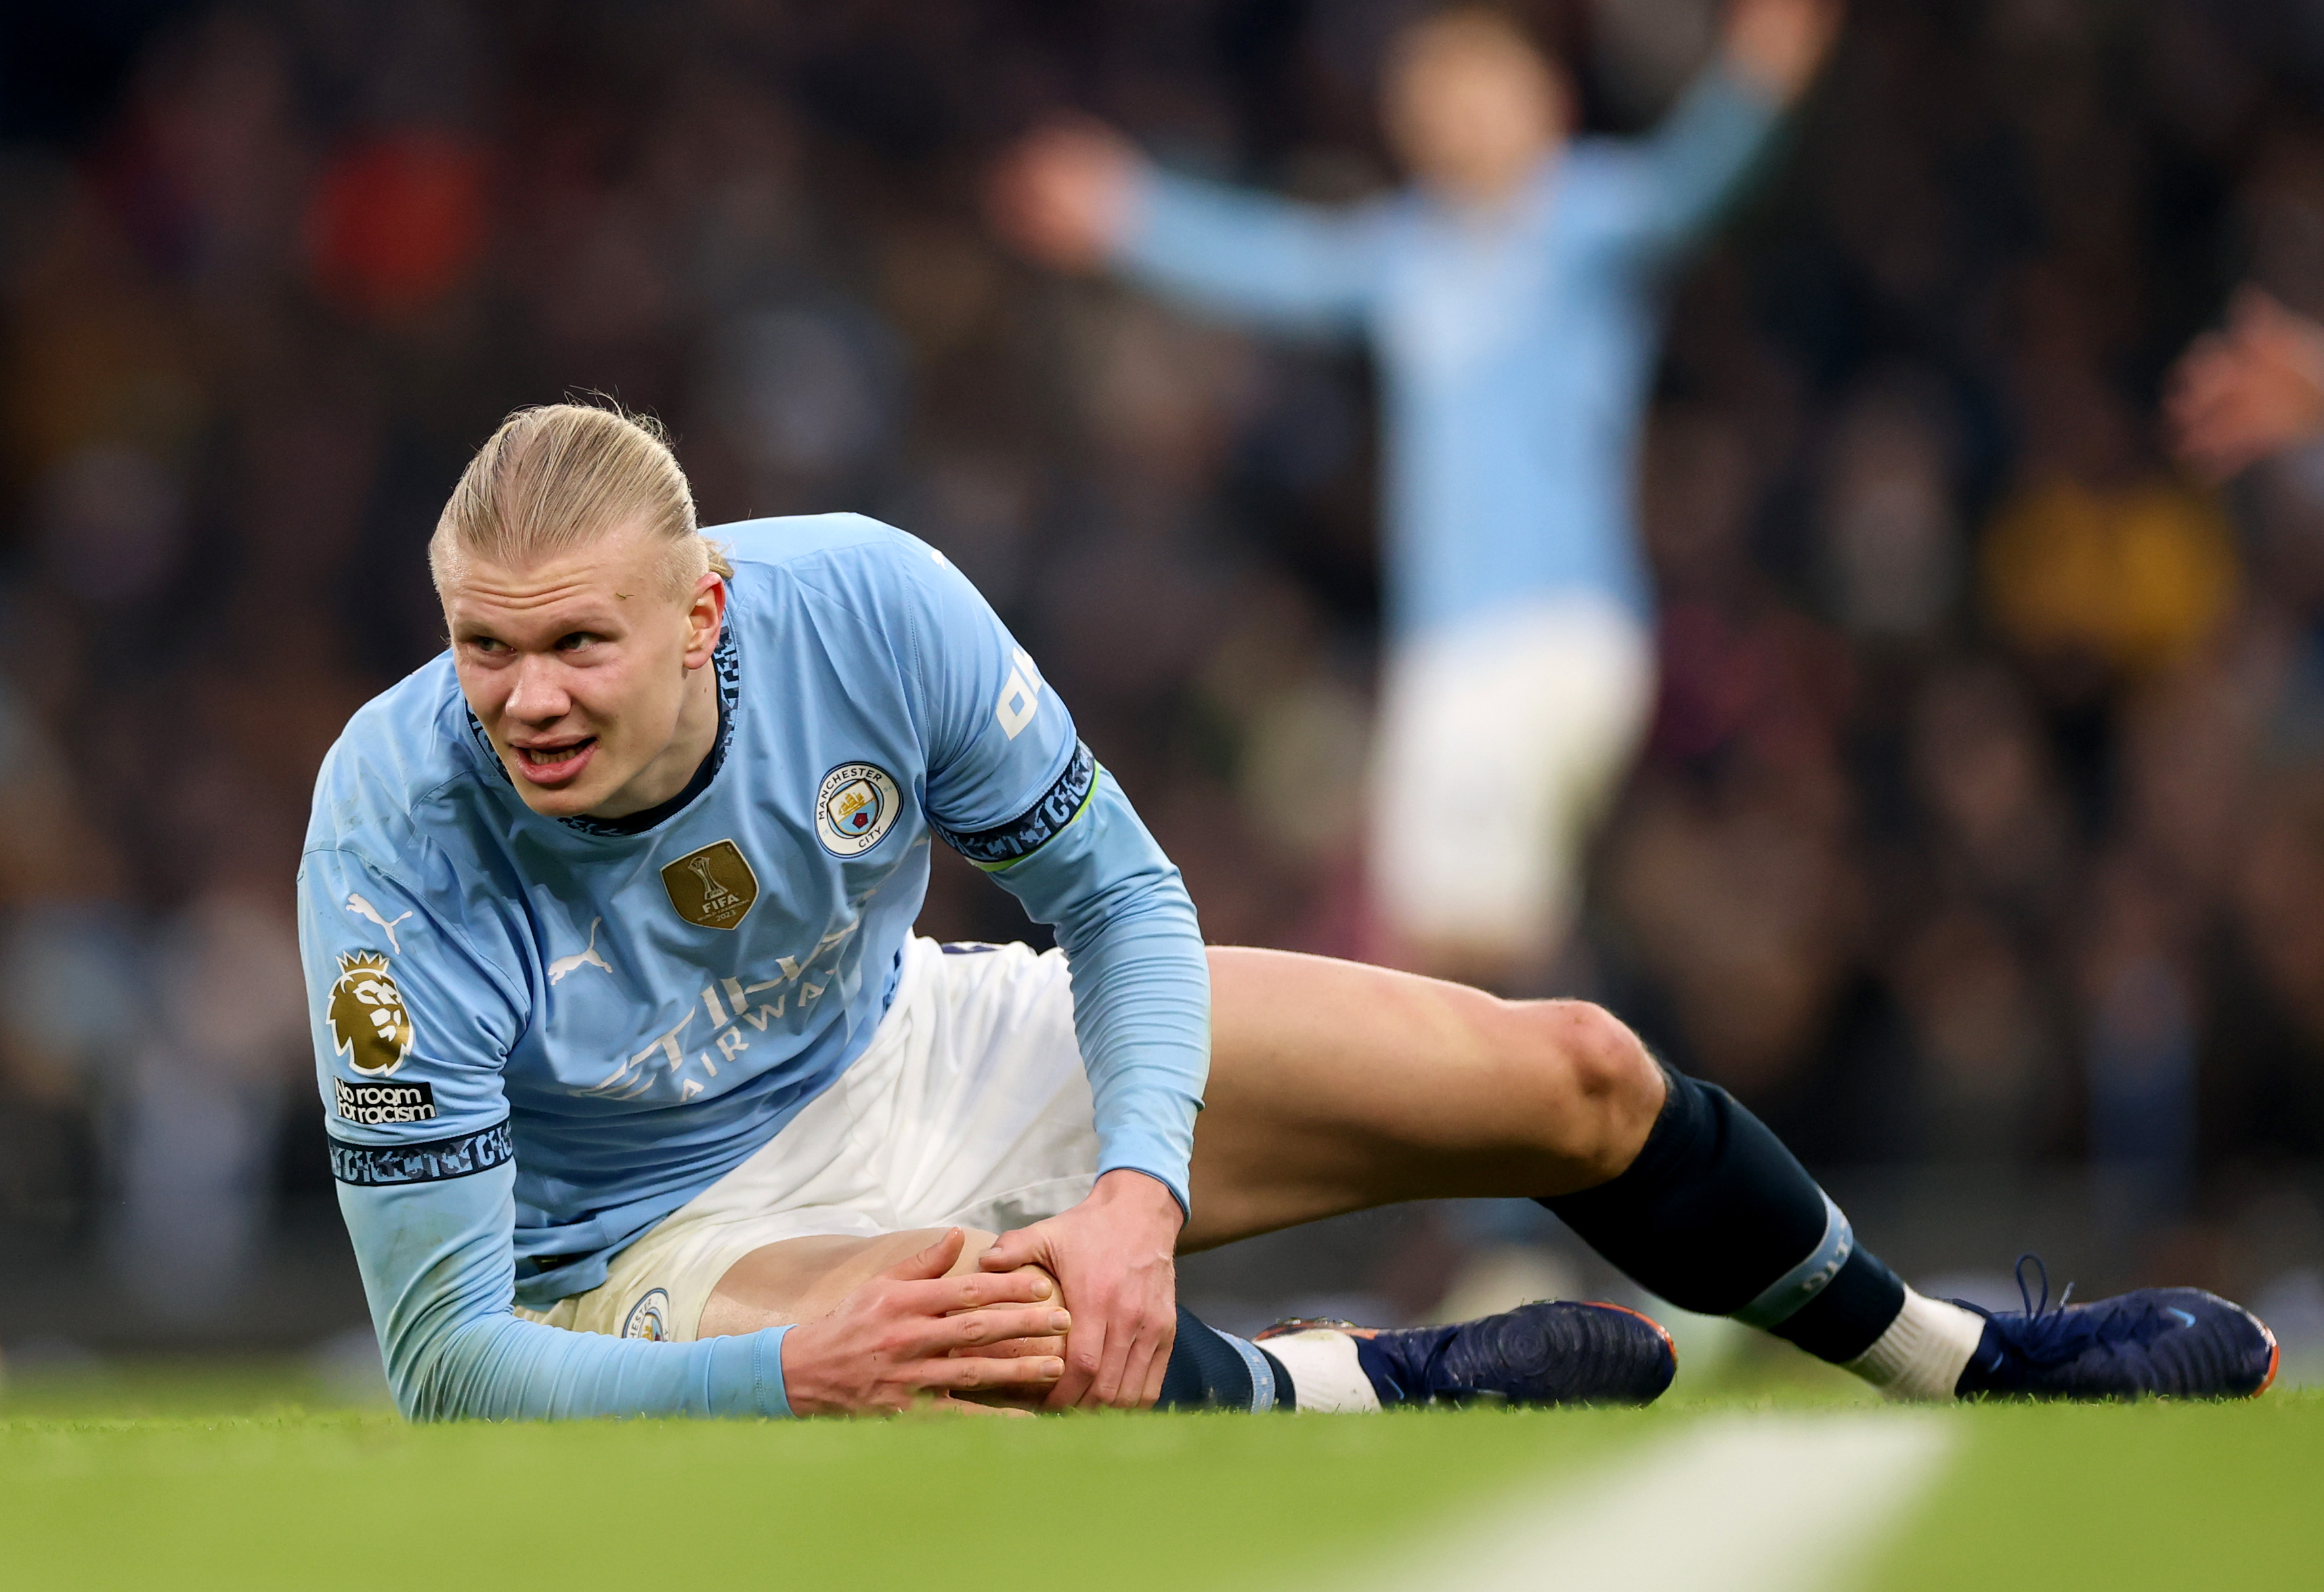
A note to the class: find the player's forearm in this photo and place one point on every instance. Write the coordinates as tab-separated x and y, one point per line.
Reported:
1142	1011
500	1368
1704	149
1243	255
437	1267
1141	980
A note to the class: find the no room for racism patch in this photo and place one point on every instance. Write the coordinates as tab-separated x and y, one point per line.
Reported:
377	1105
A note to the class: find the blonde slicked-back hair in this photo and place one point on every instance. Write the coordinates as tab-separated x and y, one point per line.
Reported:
558	477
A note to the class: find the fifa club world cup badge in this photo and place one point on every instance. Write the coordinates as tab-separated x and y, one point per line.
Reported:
712	888
855	808
369	1026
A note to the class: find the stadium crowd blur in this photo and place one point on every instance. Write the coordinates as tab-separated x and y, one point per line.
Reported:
1982	822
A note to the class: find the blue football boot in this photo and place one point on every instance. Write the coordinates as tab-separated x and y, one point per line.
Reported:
2169	1342
1551	1353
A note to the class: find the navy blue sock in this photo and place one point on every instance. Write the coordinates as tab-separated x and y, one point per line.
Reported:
1210	1370
1860	1302
1716	1215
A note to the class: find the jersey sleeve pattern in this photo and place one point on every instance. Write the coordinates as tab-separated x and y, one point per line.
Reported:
432	1161
997	847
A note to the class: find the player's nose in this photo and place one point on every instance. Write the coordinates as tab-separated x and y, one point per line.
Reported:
539	695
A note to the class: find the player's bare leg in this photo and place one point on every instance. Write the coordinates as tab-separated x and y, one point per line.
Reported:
799	1279
1335	1086
1482	965
874	1298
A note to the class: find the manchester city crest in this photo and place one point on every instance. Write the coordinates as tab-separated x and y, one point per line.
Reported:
855	808
369	1025
648	1318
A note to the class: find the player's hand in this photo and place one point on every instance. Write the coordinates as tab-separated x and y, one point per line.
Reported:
1063	193
1778	44
1113	1255
898	1340
2252	390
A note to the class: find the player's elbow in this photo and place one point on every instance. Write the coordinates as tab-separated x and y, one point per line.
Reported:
415	1381
409	1386
433	1375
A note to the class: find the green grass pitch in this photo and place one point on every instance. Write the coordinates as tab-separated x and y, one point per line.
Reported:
201	1477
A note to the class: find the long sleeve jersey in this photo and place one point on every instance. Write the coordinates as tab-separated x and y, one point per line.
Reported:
1516	349
536	1037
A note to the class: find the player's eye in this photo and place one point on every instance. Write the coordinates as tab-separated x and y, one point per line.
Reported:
578	641
491	646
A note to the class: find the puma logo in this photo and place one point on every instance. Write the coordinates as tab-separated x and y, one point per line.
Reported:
580	958
363	908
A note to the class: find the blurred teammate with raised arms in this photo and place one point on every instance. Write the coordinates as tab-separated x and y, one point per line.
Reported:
1510	297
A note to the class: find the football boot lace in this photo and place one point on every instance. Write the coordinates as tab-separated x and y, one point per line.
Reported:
2045	1336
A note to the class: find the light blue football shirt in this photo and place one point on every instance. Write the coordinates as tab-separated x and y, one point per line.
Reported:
537	1037
1516	350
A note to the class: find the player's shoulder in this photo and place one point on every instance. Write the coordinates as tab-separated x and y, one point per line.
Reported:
398	756
799	546
845	563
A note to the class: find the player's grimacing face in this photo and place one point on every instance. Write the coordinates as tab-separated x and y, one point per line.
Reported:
582	667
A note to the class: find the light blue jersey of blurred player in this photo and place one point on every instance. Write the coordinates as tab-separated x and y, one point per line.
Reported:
537	1037
1517	343
1516	349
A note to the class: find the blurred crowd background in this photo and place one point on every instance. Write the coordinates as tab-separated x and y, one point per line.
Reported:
1979	843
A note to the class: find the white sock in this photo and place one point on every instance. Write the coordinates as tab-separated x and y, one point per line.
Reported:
1324	1372
1924	1350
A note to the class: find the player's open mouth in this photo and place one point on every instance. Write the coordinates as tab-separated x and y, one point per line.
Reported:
554	765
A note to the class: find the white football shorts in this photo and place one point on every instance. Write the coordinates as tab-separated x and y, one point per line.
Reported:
1500	742
971	1108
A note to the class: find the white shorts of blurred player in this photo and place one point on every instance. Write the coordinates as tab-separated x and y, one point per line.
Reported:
1500	744
970	1108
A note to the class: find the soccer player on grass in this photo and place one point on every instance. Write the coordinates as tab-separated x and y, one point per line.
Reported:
1510	298
644	1099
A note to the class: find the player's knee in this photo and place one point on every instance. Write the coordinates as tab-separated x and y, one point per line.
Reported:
1602	1089
1056	1295
975	1241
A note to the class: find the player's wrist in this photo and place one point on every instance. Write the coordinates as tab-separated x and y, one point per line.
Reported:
806	1387
1128	1189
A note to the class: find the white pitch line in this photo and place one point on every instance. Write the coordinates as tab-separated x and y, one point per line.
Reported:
1732	1503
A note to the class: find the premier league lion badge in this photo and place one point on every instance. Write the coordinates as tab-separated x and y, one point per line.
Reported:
369	1026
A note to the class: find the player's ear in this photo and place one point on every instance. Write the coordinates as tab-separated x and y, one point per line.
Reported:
704	617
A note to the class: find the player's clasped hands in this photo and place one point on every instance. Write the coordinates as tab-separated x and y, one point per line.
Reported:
913	1336
1113	1254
